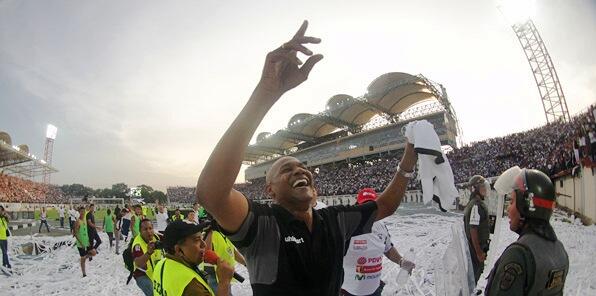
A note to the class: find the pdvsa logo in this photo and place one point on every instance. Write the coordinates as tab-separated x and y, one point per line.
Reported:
362	260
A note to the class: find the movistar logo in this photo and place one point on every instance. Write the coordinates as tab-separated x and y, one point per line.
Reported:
293	239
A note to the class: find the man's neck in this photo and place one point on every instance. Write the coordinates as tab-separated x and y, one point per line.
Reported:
304	216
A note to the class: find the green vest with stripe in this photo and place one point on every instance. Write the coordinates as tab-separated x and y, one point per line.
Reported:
153	259
171	278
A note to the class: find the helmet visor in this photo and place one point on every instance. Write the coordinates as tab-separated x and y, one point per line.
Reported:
510	180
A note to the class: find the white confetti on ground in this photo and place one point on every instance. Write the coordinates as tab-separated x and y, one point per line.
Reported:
57	272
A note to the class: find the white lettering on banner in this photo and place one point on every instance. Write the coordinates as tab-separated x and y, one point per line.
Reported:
293	239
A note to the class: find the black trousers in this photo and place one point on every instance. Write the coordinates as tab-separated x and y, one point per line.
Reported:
476	265
94	239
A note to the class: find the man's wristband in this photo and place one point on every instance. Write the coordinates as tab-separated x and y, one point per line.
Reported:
405	173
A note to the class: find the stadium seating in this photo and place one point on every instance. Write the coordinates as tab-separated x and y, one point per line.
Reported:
554	148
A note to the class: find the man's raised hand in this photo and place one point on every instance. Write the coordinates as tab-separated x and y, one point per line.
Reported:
283	70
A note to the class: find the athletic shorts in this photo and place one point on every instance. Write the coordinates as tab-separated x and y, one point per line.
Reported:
83	251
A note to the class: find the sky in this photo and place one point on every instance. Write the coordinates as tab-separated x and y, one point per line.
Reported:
141	91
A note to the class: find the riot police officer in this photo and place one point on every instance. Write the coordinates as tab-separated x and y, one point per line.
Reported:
537	263
476	224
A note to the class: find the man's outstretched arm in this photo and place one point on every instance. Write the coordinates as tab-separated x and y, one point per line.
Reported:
390	199
281	73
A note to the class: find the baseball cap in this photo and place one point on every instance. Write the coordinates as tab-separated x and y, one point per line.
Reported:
179	230
366	194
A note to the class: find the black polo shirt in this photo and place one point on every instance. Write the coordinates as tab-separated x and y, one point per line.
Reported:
284	258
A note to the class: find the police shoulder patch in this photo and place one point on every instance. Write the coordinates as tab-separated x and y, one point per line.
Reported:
556	279
509	274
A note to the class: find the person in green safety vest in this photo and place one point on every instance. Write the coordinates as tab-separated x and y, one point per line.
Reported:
146	253
135	221
82	237
223	247
177	216
200	213
108	226
4	237
178	274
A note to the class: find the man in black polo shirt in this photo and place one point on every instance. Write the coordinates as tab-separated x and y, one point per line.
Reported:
290	249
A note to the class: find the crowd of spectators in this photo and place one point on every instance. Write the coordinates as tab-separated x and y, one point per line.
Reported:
554	148
181	194
15	189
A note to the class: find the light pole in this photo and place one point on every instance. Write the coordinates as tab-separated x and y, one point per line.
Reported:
519	13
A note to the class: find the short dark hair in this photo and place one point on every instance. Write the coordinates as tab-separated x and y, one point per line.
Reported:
91	205
138	206
109	211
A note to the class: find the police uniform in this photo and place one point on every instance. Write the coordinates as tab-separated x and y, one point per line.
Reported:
476	217
537	263
530	266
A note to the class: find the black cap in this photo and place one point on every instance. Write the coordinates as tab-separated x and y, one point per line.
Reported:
179	230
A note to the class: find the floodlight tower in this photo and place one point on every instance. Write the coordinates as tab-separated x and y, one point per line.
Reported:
48	150
519	14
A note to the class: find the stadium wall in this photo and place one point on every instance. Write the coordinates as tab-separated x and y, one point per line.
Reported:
578	193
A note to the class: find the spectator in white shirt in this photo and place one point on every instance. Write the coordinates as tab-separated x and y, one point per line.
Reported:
61	211
363	261
162	218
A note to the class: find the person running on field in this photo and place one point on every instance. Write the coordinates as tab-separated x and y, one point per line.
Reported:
92	228
135	221
82	238
108	226
118	231
126	217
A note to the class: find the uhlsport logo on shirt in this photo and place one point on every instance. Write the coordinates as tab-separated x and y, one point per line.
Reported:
293	239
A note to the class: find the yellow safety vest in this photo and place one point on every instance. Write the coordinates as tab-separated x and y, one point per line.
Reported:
153	259
171	278
223	247
3	228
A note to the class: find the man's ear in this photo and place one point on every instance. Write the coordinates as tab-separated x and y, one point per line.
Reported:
270	191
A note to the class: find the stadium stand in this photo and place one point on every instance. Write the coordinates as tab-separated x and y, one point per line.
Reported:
181	194
554	148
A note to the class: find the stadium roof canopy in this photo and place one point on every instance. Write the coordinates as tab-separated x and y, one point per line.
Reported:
17	160
390	96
